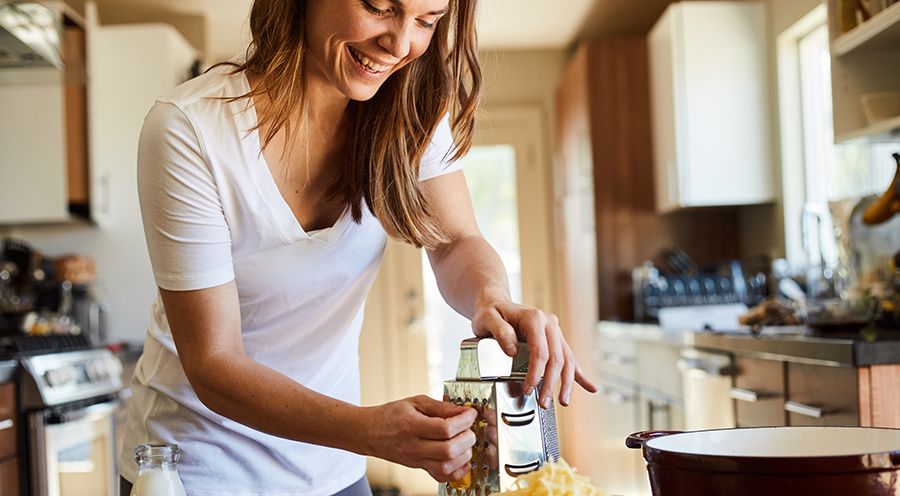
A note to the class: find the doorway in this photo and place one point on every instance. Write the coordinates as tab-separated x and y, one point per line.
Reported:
410	340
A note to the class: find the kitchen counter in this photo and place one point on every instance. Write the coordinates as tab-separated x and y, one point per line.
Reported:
803	345
648	333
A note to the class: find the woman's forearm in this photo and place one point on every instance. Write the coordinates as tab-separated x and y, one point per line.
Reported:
259	397
469	274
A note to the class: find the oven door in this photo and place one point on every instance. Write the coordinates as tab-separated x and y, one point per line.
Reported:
72	451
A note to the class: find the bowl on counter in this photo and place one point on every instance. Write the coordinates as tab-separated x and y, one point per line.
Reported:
837	314
799	461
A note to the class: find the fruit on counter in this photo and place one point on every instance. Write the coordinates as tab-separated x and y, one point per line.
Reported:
887	204
553	479
771	312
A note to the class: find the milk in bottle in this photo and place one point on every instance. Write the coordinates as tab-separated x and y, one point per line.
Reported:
157	475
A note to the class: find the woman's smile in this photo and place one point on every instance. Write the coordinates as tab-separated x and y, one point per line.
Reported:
368	63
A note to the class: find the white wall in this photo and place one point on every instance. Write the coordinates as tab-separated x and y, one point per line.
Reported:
762	227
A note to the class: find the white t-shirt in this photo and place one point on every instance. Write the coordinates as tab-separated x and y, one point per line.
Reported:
213	213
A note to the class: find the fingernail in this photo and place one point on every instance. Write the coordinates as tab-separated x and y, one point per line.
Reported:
566	398
545	403
529	389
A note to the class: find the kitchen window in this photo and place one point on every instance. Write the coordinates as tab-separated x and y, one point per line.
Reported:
816	172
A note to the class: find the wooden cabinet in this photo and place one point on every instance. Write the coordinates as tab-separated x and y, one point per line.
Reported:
820	395
758	392
709	86
9	462
770	392
606	223
879	403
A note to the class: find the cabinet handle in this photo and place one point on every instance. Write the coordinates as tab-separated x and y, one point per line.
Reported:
6	424
617	358
615	397
745	395
805	410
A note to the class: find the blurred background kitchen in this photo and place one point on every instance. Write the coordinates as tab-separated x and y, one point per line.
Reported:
704	192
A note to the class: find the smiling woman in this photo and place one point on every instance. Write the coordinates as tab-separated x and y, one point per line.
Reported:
377	53
268	188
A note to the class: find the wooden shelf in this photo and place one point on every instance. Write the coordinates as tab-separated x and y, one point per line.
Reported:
886	130
881	31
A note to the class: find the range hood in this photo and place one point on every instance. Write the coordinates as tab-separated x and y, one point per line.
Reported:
30	34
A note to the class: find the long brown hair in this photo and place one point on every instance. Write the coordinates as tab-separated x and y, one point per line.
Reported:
392	130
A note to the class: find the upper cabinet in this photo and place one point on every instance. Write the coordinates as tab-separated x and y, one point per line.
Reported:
865	67
710	105
70	124
43	134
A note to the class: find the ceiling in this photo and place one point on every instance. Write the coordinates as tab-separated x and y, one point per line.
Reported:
503	24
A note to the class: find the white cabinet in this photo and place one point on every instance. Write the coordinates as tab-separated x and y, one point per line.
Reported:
32	146
130	65
710	102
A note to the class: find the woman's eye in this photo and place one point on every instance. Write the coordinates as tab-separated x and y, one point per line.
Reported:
375	10
427	25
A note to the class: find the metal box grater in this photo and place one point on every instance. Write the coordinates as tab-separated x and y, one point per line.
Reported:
514	434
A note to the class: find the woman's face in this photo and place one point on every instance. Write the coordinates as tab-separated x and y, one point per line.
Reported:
356	44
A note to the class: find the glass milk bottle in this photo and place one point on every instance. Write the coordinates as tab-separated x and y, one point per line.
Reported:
157	475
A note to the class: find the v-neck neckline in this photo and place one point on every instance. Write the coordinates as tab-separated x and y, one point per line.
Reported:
288	223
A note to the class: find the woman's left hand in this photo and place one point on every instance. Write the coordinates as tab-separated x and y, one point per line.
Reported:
550	357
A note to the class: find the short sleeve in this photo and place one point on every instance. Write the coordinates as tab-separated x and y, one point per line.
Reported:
187	235
436	160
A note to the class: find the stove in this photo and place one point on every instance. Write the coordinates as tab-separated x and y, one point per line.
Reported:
68	404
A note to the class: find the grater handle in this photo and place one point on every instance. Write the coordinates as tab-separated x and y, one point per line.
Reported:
484	359
517	470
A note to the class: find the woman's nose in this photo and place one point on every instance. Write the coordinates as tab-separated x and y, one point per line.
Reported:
397	40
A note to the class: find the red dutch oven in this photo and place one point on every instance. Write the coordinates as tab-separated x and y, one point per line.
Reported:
769	461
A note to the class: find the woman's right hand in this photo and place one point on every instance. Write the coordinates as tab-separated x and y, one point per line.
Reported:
421	432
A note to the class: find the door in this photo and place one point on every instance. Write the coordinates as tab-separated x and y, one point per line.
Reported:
410	339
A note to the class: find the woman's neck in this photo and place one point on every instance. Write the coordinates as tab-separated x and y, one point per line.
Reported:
326	107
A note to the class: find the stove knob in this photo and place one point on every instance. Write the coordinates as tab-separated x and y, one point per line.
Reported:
91	370
50	378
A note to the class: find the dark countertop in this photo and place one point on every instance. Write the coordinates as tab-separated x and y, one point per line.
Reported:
802	344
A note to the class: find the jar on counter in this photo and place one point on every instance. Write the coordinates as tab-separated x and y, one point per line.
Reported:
157	473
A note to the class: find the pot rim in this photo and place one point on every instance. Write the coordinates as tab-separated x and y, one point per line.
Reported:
794	465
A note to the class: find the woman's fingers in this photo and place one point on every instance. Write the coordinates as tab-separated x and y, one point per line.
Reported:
568	375
582	380
442	420
555	363
449	470
448	449
491	323
531	324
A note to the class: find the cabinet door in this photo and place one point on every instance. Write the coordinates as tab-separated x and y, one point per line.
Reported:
9	477
121	91
662	94
758	392
8	427
622	468
819	395
709	82
32	147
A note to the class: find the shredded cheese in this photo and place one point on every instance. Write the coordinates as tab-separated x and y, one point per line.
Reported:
553	479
